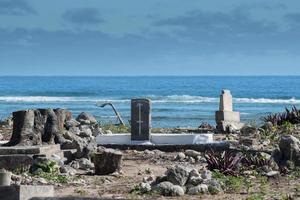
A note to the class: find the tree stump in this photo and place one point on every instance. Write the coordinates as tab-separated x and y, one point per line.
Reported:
35	127
107	162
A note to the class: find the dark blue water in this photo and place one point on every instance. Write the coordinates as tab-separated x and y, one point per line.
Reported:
176	101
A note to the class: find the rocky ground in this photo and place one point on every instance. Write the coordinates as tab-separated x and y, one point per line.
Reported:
263	163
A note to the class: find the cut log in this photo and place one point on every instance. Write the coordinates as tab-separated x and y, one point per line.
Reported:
35	127
107	162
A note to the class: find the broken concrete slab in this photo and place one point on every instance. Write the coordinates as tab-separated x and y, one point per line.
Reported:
25	192
47	150
21	157
16	162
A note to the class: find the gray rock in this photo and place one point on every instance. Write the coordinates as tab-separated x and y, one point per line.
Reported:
41	181
289	150
214	187
148	152
249	130
168	189
178	175
83	117
84	146
85	164
68	170
192	160
149	179
145	187
96	130
192	153
74	164
71	123
199	189
180	156
67	144
85	131
206	174
273	174
194	178
74	130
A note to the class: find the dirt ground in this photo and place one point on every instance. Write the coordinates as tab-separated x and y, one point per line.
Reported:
137	165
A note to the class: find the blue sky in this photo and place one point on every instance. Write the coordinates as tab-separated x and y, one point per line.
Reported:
155	37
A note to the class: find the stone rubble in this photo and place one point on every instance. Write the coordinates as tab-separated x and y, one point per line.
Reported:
180	180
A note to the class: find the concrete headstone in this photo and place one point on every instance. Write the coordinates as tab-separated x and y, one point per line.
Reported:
140	119
227	119
226	101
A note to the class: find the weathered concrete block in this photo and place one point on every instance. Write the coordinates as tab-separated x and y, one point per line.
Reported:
16	162
25	192
21	157
228	116
108	161
47	150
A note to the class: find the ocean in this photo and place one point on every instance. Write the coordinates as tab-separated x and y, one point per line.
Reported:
176	101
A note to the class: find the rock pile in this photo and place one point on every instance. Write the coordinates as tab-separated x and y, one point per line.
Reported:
180	180
190	156
288	152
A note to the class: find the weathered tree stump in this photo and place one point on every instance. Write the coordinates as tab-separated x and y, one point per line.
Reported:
35	127
107	162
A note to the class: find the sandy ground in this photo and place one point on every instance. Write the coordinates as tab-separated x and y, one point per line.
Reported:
137	166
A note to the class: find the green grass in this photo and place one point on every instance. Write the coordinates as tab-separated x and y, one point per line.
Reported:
53	177
116	129
232	183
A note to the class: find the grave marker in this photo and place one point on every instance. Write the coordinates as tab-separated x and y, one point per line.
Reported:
226	118
140	119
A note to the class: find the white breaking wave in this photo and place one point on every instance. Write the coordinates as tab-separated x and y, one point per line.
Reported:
188	99
267	101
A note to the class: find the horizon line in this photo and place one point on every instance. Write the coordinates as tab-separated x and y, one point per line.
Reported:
149	76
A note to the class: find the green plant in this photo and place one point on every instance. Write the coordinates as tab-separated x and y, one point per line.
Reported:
48	167
54	177
148	171
225	162
116	128
256	197
278	119
286	197
295	173
80	191
231	183
254	162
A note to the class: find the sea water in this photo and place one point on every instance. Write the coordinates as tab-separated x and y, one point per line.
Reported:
176	101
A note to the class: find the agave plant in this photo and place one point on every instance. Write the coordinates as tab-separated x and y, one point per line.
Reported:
292	116
256	161
225	162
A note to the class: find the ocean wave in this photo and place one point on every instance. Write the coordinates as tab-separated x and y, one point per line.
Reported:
40	99
187	99
267	101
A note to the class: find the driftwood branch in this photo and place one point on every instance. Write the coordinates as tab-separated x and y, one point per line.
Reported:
121	122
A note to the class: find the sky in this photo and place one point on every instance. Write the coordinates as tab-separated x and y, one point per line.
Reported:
150	37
